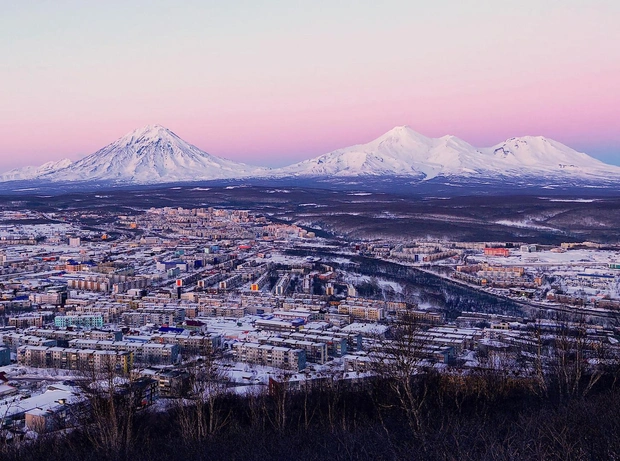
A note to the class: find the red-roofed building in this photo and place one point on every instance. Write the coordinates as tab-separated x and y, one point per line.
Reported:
497	252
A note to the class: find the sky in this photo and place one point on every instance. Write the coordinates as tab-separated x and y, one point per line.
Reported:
276	82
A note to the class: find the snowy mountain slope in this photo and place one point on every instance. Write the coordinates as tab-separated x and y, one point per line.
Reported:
31	172
151	155
403	152
546	156
154	155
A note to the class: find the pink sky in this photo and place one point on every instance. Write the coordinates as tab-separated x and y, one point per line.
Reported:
273	85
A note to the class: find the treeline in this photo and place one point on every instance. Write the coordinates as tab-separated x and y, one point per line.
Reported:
485	415
453	297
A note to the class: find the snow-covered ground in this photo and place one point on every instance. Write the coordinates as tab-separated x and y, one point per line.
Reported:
366	328
569	258
525	225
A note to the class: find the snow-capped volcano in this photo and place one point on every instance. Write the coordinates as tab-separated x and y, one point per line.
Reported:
154	154
403	152
148	155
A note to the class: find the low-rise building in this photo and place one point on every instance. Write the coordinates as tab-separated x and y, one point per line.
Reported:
14	340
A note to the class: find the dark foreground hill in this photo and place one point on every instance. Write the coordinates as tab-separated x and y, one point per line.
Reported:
482	416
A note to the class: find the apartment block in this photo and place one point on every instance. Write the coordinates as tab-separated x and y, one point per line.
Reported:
86	321
75	359
14	340
275	356
316	352
152	353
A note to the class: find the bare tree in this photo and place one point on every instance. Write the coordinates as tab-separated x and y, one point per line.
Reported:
400	361
112	402
577	358
201	414
309	410
279	389
6	422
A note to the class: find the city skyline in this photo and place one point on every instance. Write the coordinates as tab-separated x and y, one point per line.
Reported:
273	85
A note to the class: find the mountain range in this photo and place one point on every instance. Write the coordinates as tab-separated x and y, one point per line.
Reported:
154	154
33	172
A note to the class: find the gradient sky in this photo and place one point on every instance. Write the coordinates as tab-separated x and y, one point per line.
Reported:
282	81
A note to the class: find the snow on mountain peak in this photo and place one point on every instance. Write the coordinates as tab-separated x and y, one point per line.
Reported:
152	154
404	152
148	134
401	130
403	134
543	154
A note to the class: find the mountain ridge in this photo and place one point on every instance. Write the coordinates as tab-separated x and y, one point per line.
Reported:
32	172
153	154
402	151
